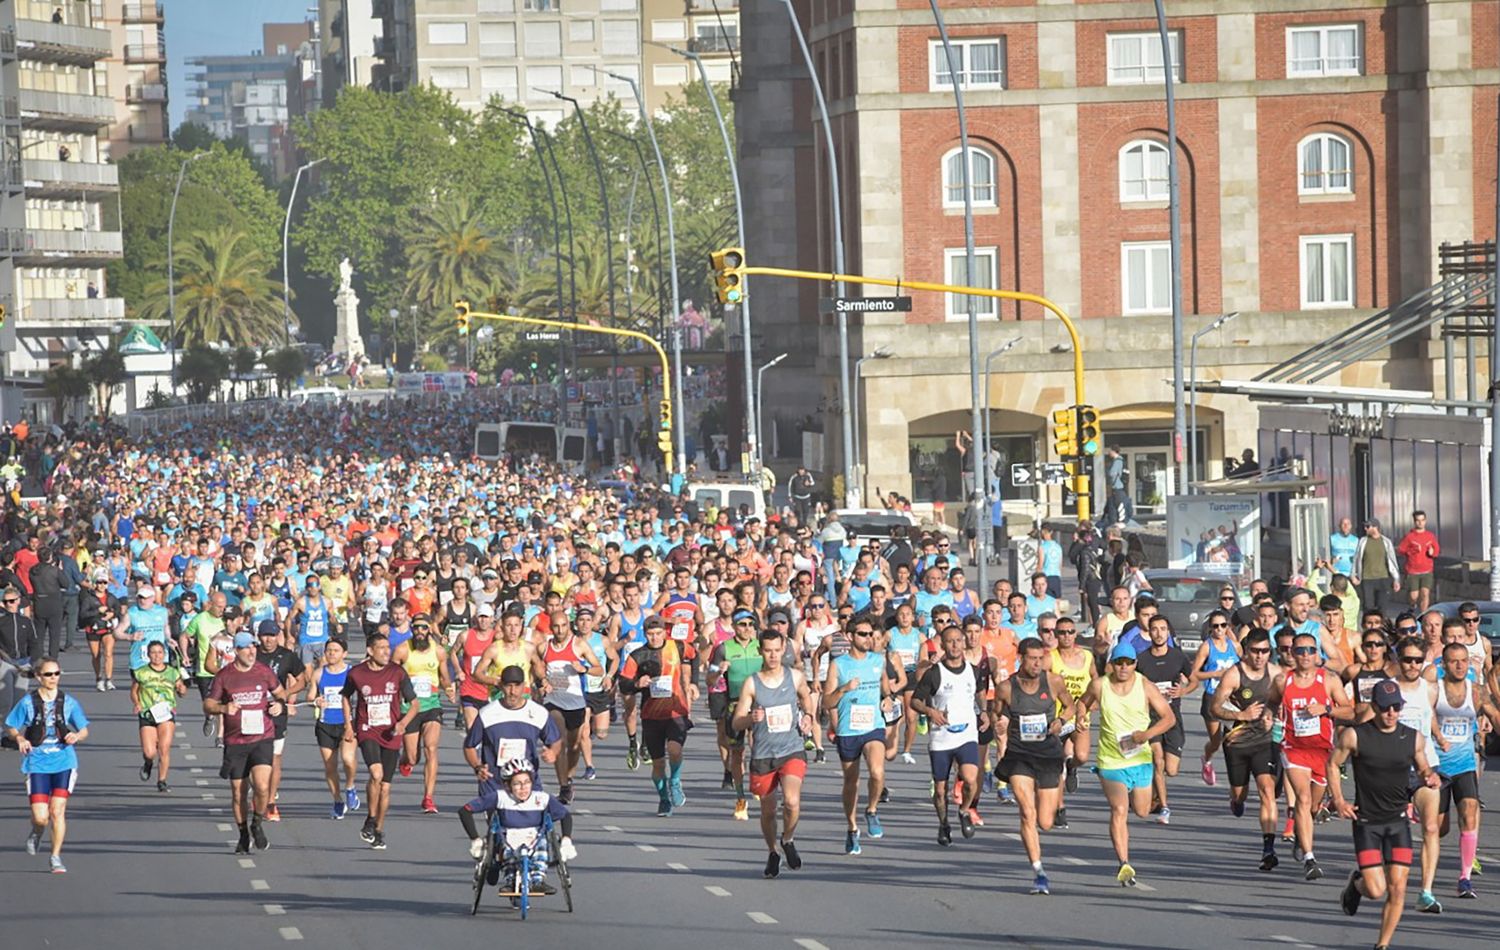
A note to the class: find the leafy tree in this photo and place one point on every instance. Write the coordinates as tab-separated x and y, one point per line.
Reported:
202	370
286	364
105	370
158	398
66	385
223	292
243	362
452	256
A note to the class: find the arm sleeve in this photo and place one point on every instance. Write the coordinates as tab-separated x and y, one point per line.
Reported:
928	685
350	690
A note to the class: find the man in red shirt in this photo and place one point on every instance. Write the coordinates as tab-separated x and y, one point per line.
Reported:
1420	547
249	696
370	693
26	559
664	673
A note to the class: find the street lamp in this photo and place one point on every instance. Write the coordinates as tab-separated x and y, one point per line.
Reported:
1193	435
416	333
760	392
286	271
880	354
1174	203
983	450
171	276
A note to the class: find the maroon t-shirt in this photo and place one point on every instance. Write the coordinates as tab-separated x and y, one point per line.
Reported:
250	690
373	698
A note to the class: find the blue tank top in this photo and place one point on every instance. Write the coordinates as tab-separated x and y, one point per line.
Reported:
283	593
1219	660
331	685
859	594
313	624
906	646
859	709
632	631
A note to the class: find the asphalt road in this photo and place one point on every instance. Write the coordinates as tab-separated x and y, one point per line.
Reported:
150	870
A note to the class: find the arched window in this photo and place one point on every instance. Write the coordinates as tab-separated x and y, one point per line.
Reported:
981	178
1143	171
1325	165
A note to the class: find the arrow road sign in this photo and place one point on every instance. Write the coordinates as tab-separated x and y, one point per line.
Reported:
1021	475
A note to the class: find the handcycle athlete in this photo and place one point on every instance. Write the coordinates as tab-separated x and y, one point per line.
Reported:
522	838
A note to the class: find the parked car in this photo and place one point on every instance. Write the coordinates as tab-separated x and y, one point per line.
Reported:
1185	599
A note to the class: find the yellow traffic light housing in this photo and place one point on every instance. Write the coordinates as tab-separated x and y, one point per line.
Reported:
1064	433
1090	441
664	434
1081	485
462	306
729	274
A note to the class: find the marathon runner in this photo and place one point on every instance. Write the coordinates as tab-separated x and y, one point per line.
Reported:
856	692
949	694
325	688
247	694
627	629
567	658
153	692
1164	664
46	724
1310	699
1242	701
426	664
1219	652
370	696
598	686
289	671
663	673
1459	703
1076	666
732	661
472	694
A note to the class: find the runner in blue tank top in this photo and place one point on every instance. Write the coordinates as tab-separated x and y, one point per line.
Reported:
324	690
1217	654
858	690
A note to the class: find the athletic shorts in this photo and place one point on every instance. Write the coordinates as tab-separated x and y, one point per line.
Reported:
601	702
572	718
145	720
911	683
42	787
718	705
734	738
1172	740
1244	761
1456	788
328	735
205	686
852	747
311	653
1046	773
1132	776
470	702
376	754
96	635
1417	581
1205	706
656	733
943	760
1379	843
986	736
241	758
766	774
1313	760
422	718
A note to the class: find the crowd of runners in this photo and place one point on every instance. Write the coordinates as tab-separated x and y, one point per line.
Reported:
333	570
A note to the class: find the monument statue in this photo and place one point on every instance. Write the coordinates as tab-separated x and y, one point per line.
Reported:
346	338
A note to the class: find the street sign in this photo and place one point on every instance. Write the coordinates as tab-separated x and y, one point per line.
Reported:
1051	473
1021	475
542	336
864	305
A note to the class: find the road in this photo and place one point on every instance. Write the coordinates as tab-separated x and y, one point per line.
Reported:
158	870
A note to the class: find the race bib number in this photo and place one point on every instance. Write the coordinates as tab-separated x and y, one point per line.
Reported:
1165	688
908	659
474	663
422	685
1366	690
861	718
252	722
1304	725
380	713
1456	728
681	630
315	629
161	712
661	687
779	718
1128	745
512	749
520	837
560	677
332	698
1034	727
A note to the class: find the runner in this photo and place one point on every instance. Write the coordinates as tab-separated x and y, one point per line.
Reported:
1076	666
1218	653
1310	700
370	694
598	686
568	658
1384	752
511	727
1165	665
949	694
325	687
1242	701
665	676
153	692
311	618
720	703
733	661
775	705
246	693
903	643
856	691
426	664
144	623
46	726
1459	703
290	672
817	625
1040	711
472	694
1127	702
627	629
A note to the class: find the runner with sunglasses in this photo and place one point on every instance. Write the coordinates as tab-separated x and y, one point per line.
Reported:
1418	700
731	662
1243	702
46	725
856	692
1310	699
1218	653
1076	667
1361	677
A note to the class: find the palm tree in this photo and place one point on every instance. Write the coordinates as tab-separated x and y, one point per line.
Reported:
224	292
452	256
106	370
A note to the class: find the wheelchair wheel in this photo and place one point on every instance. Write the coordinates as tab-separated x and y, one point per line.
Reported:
564	876
482	872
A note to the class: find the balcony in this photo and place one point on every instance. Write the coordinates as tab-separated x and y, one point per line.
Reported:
47	247
146	92
73	311
148	134
50	178
144	13
41	41
714	41
44	109
145	53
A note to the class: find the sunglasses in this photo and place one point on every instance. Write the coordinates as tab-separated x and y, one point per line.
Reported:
1226	597
1406	629
1046	629
744	623
50	673
1469	619
1304	651
12	600
1373	644
815	603
1413	659
1262	651
420	626
1218	626
1124	661
862	633
1066	632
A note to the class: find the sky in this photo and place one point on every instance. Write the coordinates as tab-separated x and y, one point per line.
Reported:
217	27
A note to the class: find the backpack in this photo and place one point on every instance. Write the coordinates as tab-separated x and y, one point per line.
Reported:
36	733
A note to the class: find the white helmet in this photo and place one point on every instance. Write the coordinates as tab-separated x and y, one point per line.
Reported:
512	767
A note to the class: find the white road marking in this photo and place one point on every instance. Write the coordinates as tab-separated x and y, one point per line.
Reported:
1144	887
216	811
275	910
201	782
246	862
1294	941
1012	836
1077	862
646	848
612	828
207	796
223	827
290	933
678	867
715	890
259	885
808	943
760	917
195	770
584	811
191	758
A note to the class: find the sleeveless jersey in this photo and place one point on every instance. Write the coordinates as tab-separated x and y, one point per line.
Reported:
331	688
377	602
564	682
1031	716
474	646
718	633
457	622
778	735
593	681
679	613
1078	678
633	632
1301	731
859	709
740	660
1218	659
1250	692
312	624
956	696
906	646
1417	710
1122	716
1364	683
422	667
1458	725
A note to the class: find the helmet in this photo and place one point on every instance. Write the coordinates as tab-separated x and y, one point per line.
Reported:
515	766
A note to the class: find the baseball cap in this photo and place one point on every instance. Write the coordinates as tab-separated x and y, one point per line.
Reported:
535	577
656	623
1387	695
486	610
1122	651
232	612
778	613
744	614
146	591
487	574
268	628
512	674
583	610
242	640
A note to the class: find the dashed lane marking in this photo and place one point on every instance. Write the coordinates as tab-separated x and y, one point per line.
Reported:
274	910
1294	941
1077	862
221	826
808	943
190	757
216	811
195	770
760	917
247	862
201	782
715	890
1012	836
648	848
1144	887
681	868
207	796
585	811
259	885
290	933
611	828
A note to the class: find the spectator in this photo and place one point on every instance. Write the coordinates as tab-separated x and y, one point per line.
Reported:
1420	548
1376	572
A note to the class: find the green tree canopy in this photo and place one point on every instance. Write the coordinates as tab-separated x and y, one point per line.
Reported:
223	292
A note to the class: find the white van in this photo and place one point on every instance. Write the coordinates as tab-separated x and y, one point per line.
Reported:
729	495
316	395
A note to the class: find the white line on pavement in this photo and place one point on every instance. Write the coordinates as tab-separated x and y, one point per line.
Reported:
290	933
246	862
1012	836
223	827
207	796
760	917
715	890
1294	941
274	910
612	828
195	770
216	811
259	885
585	811
1077	862
1144	887
201	782
646	847
191	758
808	943
678	867
1203	908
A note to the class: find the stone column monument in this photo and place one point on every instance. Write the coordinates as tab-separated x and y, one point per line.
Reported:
346	338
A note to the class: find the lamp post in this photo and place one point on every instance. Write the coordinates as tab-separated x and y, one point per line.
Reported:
760	392
171	275
852	496
286	271
661	263
416	333
990	498
1193	433
880	354
1174	202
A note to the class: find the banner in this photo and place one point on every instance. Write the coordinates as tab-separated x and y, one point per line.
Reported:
1212	533
431	382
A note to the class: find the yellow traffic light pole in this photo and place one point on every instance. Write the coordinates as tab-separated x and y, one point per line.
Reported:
1081	482
667	418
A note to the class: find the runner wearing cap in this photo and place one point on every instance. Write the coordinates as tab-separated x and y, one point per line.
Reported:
511	727
664	675
1384	752
144	623
472	694
1127	704
246	693
733	661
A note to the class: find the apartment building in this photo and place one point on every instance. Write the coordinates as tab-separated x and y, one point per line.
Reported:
246	96
350	34
138	85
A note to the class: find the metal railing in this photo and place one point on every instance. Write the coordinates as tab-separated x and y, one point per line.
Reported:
144	13
82	174
146	92
144	53
67	105
61	243
72	310
44	36
715	42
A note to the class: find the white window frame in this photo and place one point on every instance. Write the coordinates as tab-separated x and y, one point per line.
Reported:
1149	247
954	305
447	33
581	31
1147	72
1324	139
937	61
1322	244
1300	69
669	30
669	74
450	73
977	154
1148	146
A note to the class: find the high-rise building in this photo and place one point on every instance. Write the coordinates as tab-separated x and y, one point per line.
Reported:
138	85
350	33
56	235
1327	151
246	96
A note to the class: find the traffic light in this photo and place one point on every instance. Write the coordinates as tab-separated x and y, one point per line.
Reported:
664	434
1064	433
462	306
729	274
1089	439
1080	485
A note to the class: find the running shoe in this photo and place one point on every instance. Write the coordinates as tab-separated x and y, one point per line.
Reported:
872	825
793	858
1310	870
1005	796
965	824
989	782
921	725
1040	885
208	724
742	812
820	757
379	843
1071	782
1350	897
808	745
259	834
1164	817
145	772
33	842
645	756
589	774
1237	808
338	811
975	818
773	865
1269	861
945	834
1126	876
851	842
1287	831
1476	870
1210	777
565	794
273	813
1466	889
728	781
908	759
632	759
429	807
367	833
1322	816
405	769
243	847
351	799
1428	904
57	866
162	786
885	795
1061	821
678	797
108	684
99	685
664	808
